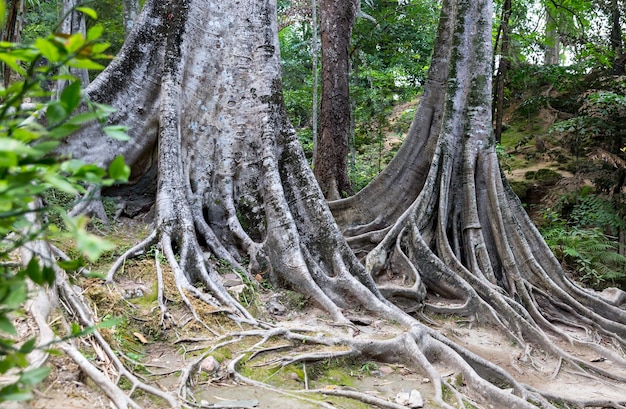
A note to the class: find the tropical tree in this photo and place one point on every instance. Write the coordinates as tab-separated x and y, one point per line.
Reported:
209	129
502	47
331	158
11	31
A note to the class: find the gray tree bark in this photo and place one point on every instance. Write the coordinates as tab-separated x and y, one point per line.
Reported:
209	129
315	59
503	68
130	8
73	23
553	44
617	44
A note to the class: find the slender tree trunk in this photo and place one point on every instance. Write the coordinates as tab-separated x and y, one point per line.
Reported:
130	8
314	54
503	68
617	44
73	22
552	50
331	167
11	33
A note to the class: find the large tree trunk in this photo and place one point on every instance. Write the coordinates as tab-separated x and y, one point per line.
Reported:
209	128
454	225
331	159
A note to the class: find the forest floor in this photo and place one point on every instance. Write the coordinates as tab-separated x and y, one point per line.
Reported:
161	352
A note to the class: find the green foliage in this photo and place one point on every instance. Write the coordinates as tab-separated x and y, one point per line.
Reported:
296	60
393	46
390	56
111	18
40	19
29	133
546	177
531	78
579	233
598	133
582	27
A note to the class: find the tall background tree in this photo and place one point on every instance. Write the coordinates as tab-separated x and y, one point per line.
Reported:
501	47
131	10
331	164
12	31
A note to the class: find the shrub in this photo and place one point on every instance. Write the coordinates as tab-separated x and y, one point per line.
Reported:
29	169
581	232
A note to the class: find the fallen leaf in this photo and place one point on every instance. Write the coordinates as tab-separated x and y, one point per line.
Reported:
140	337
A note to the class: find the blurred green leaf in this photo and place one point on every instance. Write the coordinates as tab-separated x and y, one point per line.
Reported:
88	11
95	32
48	49
85	64
34	376
118	170
71	96
117	132
6	326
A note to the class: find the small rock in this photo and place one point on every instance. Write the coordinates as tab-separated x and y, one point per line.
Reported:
415	399
210	364
404	371
275	308
385	370
140	337
231	280
402	398
237	290
252	403
426	380
412	398
129	293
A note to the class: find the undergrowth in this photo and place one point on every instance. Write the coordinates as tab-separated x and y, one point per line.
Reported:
583	232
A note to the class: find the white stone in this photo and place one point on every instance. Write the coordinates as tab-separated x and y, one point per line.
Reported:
402	398
210	364
415	399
